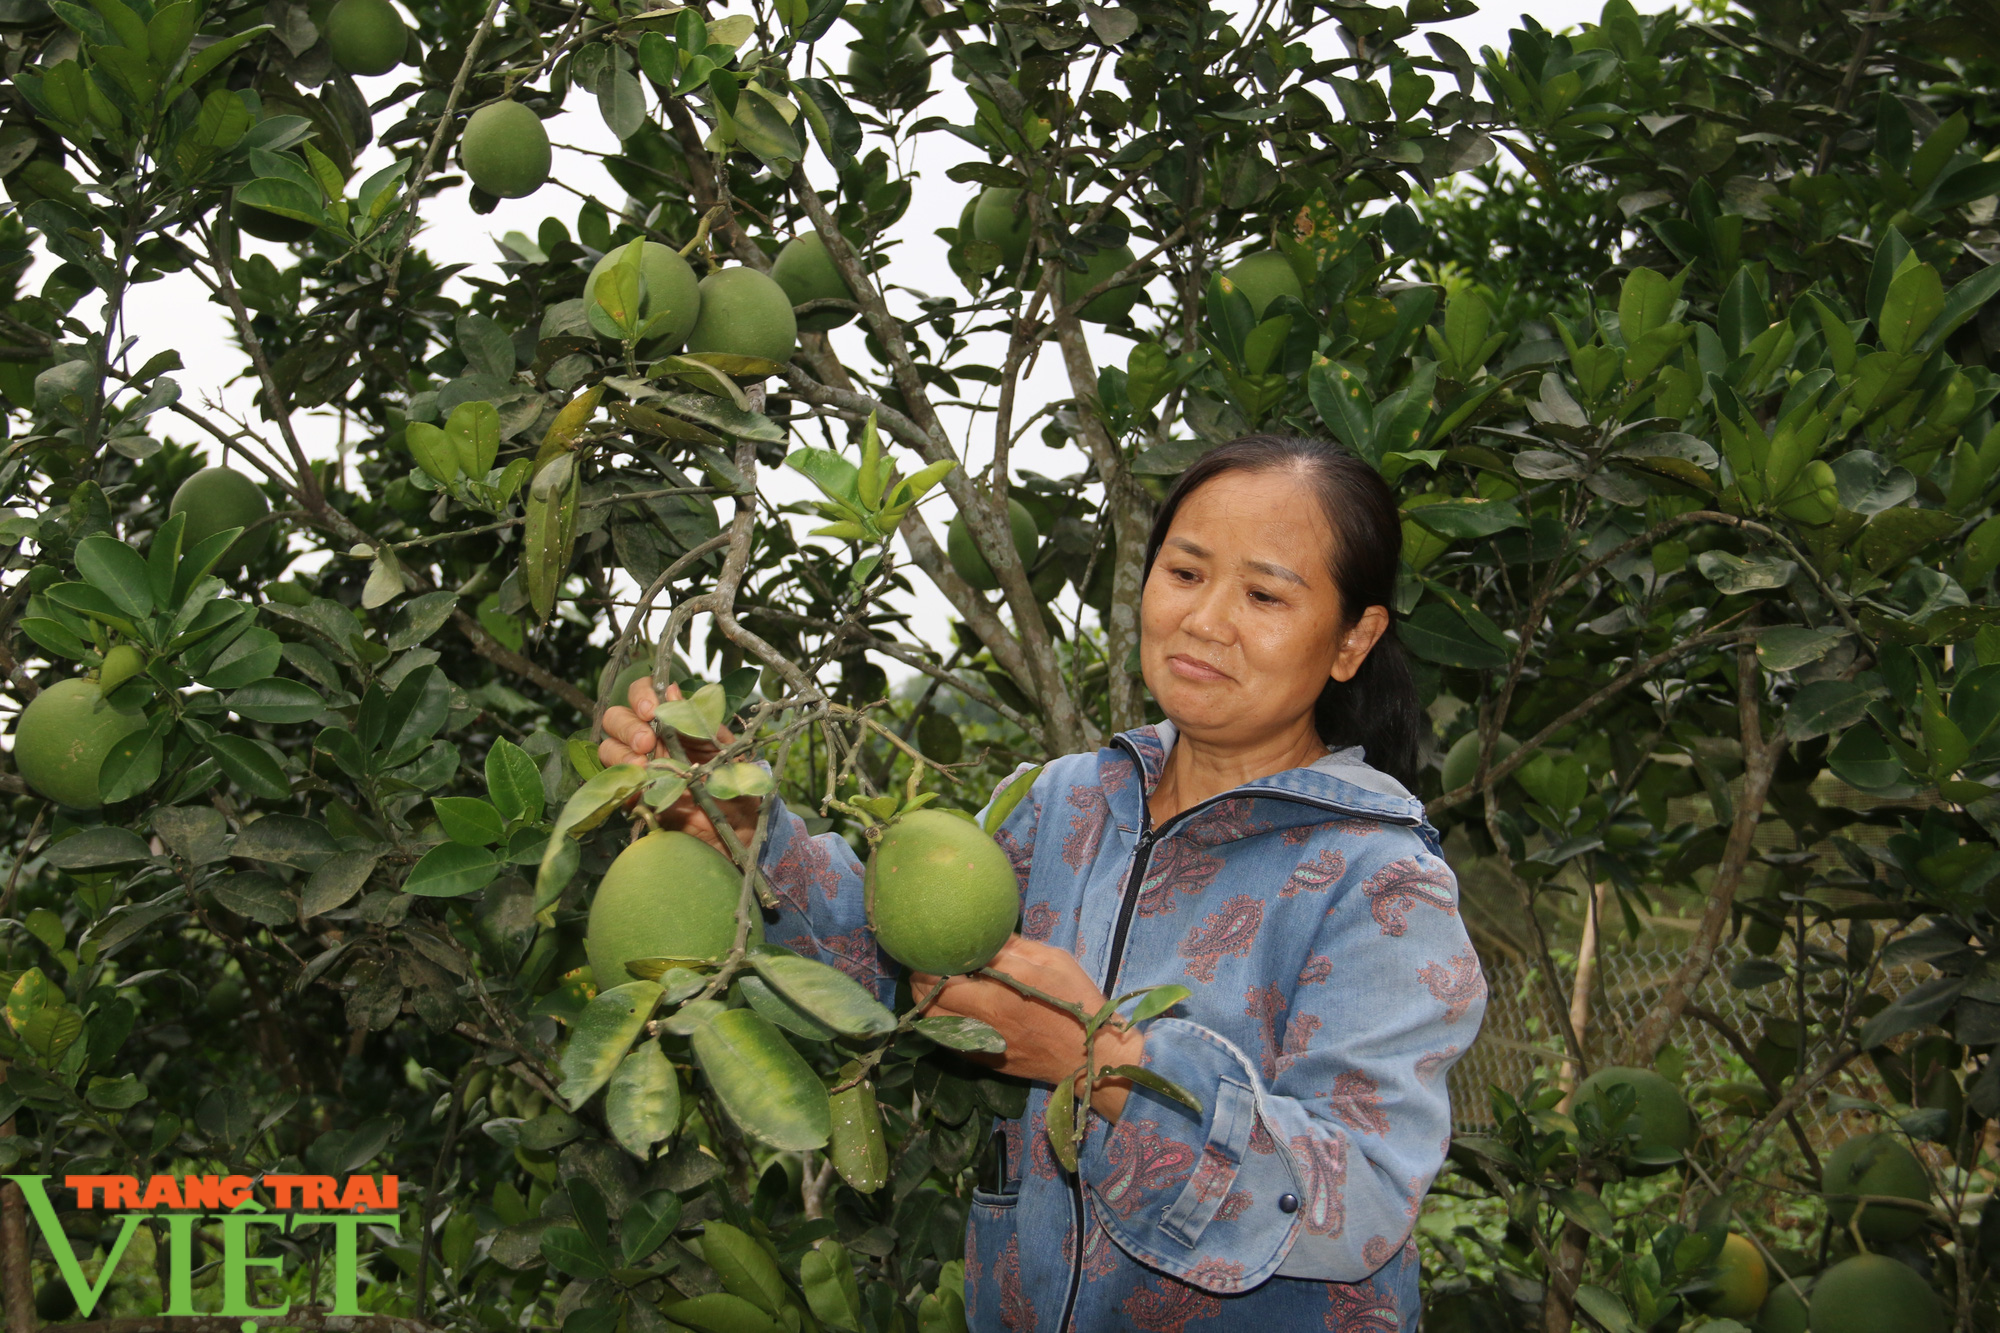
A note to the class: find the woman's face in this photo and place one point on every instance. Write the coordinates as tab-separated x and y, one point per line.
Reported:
1240	624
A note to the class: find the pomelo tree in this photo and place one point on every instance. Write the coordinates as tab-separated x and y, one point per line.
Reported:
1691	409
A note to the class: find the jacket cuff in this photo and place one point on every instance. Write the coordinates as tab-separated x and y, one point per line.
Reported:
1201	1197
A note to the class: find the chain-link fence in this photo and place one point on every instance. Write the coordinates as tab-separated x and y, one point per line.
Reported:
1522	1037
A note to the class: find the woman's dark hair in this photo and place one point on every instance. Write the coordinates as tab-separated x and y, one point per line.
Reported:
1378	708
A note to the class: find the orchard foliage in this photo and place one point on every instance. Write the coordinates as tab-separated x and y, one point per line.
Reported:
1690	406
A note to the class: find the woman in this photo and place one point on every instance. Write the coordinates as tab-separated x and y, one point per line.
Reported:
1259	847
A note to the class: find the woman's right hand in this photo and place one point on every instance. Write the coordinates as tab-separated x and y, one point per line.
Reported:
629	739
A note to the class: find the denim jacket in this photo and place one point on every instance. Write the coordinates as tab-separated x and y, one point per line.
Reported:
1317	926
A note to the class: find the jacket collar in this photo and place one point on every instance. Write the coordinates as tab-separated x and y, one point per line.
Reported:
1342	781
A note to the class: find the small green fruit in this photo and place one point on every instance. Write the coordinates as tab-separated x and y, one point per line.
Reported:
668	895
1110	306
1660	1115
120	664
505	149
942	896
744	313
868	73
998	219
1876	1164
366	36
806	272
1784	1311
1263	278
964	551
63	737
1461	761
666	284
216	498
1740	1278
1872	1293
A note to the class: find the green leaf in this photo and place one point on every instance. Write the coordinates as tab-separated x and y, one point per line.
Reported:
338	879
651	1219
569	1251
590	805
1439	633
452	870
1466	517
827	1274
859	1149
209	58
549	537
104	845
1604	1307
699	715
826	993
782	1011
1914	301
771	1093
642	1108
1009	796
836	477
1060	1122
961	1034
720	1312
1644	304
433	451
1156	1000
513	783
1734	574
1789	647
1863	759
1166	1087
115	1094
248	658
276	699
1824	706
1587	1211
1339	392
469	820
728	781
601	1037
250	766
117	571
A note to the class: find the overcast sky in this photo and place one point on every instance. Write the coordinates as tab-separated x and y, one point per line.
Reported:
175	311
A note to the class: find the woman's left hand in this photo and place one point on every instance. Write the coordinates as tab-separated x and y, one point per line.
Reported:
1044	1043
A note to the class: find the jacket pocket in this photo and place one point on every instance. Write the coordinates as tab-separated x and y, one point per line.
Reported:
997	1202
1229	1135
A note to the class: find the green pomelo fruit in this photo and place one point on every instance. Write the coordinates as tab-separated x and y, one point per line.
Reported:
268	226
1659	1112
806	272
62	738
666	284
366	36
668	895
1112	305
220	497
1872	1293
1741	1280
868	72
744	313
639	668
942	896
1784	1311
505	150
964	551
1461	761
995	220
224	999
1263	278
1876	1164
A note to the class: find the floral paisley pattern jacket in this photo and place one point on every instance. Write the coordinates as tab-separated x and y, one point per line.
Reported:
1317	926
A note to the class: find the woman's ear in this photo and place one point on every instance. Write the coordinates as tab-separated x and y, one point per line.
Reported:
1360	639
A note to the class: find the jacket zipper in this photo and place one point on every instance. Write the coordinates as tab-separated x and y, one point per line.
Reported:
1128	906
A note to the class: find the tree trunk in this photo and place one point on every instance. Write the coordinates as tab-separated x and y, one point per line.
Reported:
1581	988
1559	1297
1760	766
17	1277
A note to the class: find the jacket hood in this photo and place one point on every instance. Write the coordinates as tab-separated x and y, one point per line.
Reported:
1342	782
